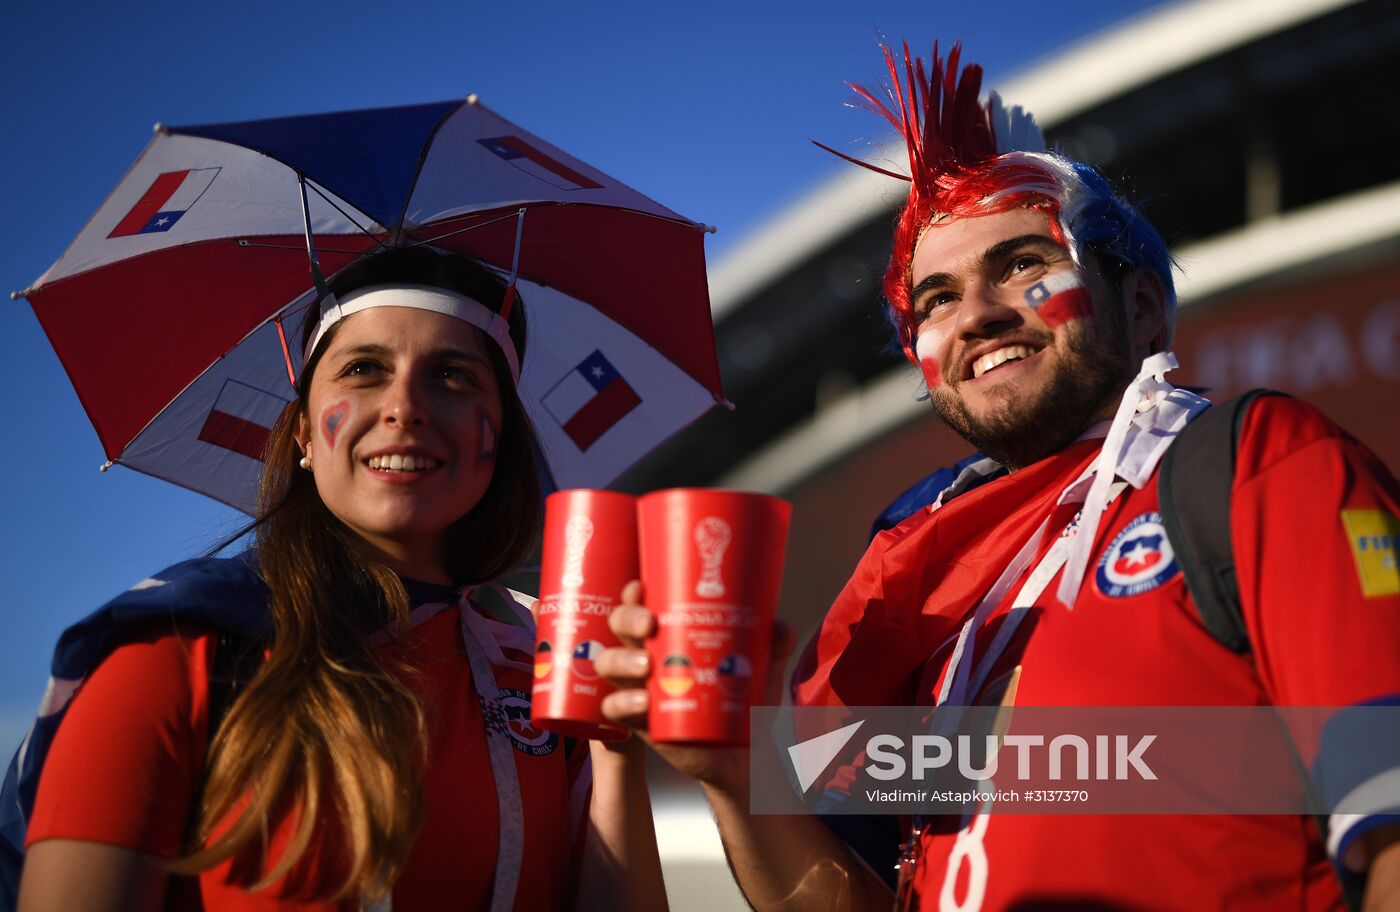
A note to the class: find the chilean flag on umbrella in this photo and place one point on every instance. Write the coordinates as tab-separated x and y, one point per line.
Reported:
590	399
171	195
532	161
241	419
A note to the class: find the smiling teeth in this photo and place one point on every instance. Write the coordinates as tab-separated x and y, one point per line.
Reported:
401	463
999	357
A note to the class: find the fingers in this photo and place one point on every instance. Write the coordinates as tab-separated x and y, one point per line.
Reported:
623	666
629	707
632	622
627	667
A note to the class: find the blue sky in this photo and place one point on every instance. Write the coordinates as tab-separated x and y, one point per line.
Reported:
707	107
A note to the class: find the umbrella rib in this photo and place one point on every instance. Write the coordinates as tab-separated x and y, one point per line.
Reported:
348	217
682	220
244	242
432	240
322	290
398	230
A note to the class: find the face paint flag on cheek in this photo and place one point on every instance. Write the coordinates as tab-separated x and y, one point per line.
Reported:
933	374
331	420
1059	298
486	440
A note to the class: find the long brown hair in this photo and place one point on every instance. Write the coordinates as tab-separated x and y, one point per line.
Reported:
327	720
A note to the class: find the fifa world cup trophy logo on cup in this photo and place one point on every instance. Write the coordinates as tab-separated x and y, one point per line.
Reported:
577	532
712	537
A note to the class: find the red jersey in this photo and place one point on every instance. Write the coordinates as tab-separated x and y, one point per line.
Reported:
1323	616
140	723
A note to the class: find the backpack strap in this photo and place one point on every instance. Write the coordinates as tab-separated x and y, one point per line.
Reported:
1193	488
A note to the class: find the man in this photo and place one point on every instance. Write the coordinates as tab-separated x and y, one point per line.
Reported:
1039	307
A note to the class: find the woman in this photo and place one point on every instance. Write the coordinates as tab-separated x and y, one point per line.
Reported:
381	753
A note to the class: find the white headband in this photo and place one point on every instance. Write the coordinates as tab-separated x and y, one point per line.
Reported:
420	297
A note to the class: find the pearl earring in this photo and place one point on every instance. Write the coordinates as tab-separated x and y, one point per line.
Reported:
306	462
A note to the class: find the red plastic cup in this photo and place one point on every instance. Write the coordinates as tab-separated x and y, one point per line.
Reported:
712	562
590	553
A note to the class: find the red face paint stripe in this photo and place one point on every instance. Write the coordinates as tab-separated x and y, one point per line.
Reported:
1071	304
933	375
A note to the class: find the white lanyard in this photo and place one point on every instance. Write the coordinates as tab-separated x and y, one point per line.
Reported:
962	682
482	650
1149	416
510	850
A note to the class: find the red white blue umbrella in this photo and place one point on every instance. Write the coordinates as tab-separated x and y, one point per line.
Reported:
169	308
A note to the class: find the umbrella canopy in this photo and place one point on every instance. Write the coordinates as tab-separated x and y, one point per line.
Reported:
165	310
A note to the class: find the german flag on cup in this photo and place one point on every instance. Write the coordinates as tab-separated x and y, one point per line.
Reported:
677	675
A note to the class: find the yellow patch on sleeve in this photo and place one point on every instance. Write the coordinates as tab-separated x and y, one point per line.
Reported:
1374	536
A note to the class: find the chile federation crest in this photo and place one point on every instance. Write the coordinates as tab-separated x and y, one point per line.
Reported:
1139	560
514	706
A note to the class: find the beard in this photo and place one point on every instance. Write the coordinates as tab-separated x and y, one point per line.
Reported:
1018	430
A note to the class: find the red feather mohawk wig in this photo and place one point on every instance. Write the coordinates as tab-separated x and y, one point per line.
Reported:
969	157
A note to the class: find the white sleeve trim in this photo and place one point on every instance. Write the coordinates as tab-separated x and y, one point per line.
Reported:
1375	796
